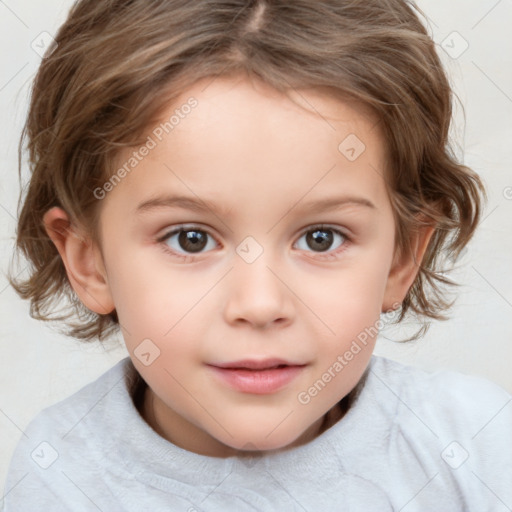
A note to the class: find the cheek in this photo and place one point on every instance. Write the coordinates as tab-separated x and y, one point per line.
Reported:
149	300
347	304
348	298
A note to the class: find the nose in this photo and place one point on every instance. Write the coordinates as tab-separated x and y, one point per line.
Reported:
258	296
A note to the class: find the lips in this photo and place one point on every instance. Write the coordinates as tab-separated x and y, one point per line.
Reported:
254	364
259	377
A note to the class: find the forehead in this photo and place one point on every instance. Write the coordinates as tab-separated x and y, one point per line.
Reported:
228	104
243	139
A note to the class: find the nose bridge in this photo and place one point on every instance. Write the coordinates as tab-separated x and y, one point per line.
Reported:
256	294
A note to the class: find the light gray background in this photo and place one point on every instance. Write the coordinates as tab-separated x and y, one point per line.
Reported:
39	367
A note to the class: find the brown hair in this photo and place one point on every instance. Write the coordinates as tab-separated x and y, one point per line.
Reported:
117	63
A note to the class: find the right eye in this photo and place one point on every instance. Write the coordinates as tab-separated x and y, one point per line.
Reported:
188	240
323	241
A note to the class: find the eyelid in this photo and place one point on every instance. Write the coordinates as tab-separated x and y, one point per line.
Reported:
330	254
184	256
312	227
184	227
344	232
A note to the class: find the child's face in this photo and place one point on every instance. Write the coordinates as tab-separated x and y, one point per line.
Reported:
259	284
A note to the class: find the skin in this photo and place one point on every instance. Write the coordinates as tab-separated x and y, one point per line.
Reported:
260	158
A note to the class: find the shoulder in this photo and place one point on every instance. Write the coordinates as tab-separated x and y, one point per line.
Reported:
444	428
70	430
443	394
444	400
459	417
65	415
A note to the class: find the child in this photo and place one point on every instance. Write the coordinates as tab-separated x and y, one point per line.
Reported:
241	189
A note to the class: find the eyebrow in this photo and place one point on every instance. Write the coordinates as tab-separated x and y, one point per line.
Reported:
202	205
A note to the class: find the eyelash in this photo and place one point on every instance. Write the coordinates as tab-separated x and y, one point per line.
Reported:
330	255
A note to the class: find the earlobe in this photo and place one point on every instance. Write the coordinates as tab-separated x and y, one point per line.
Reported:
82	260
405	269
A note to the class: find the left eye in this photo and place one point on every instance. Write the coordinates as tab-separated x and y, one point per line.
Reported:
193	241
189	241
321	239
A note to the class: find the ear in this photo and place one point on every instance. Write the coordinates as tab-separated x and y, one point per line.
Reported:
405	268
83	261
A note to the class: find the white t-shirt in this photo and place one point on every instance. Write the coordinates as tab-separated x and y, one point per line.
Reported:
411	441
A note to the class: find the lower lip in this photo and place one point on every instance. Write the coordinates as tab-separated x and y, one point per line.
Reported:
259	382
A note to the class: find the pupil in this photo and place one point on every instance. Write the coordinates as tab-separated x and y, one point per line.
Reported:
192	241
320	240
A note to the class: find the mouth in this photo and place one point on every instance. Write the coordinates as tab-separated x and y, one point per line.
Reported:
256	364
257	376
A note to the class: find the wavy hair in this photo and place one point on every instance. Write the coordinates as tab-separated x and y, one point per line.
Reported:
117	63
